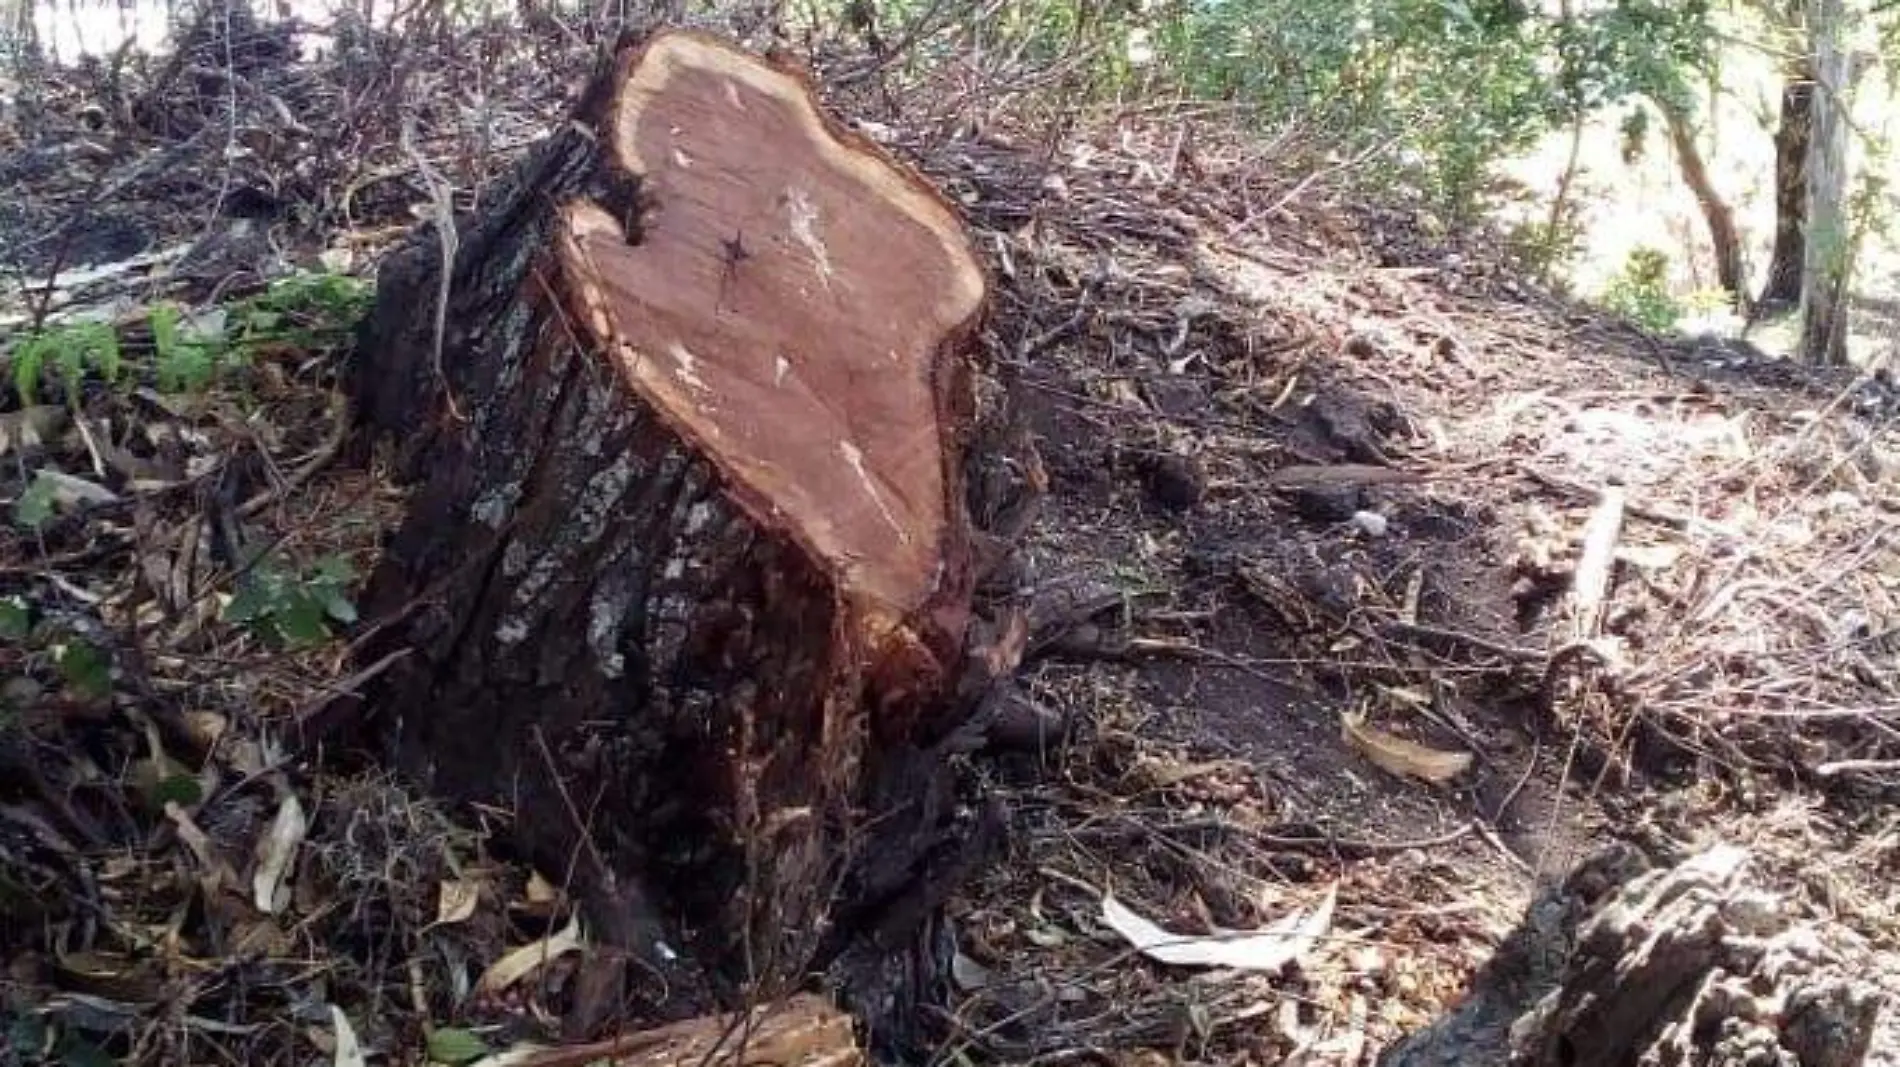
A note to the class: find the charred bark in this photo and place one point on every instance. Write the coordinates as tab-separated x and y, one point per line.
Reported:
687	581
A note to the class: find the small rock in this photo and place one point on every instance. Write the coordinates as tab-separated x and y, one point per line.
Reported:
1370	523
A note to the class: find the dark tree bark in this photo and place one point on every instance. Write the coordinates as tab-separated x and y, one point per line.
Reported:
687	582
1695	963
1782	288
1731	267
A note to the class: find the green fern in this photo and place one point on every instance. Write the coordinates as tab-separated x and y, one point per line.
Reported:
183	364
70	351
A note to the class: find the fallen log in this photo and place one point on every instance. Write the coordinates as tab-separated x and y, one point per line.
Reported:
1632	963
687	577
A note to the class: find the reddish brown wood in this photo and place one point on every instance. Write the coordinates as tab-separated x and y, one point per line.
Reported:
688	572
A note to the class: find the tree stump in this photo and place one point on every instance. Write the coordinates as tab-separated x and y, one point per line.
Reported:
686	582
1687	964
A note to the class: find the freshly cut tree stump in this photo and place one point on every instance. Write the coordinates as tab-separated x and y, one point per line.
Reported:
1691	964
687	581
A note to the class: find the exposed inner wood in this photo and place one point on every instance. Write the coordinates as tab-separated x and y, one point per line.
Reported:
781	302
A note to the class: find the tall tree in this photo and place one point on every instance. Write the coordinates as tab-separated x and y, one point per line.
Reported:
1731	264
1827	257
1792	135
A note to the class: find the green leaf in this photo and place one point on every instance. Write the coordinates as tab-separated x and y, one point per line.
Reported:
76	1051
16	619
182	789
338	607
301	622
26	1035
453	1046
34	508
87	670
253	600
335	570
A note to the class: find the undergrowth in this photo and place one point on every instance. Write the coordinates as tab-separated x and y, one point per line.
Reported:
185	351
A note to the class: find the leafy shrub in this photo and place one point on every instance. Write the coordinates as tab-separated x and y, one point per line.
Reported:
1640	291
293	607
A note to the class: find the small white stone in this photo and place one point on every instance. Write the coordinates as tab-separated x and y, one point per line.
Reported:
1370	523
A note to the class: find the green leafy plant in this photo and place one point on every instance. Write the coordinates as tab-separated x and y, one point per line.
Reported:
294	607
1640	291
454	1046
69	352
84	667
187	356
315	310
16	618
36	504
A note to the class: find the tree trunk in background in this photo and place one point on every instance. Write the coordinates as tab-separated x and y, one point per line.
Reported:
1827	259
1783	284
686	587
1731	269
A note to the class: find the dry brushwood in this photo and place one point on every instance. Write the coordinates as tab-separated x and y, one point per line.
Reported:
689	575
1689	964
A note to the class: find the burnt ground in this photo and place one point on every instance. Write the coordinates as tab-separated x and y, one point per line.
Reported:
1302	463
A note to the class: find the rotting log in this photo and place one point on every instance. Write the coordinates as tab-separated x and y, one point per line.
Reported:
1692	963
686	582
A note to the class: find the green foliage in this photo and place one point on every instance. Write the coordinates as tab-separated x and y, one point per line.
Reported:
16	619
294	607
191	353
455	1047
85	668
1640	291
1445	86
305	310
186	356
35	506
68	351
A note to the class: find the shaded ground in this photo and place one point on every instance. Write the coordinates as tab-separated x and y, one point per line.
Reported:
1302	463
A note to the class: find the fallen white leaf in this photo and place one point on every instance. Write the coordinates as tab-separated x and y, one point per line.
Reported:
529	958
275	853
349	1050
1269	948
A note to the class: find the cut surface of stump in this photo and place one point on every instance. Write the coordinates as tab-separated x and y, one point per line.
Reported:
685	587
782	301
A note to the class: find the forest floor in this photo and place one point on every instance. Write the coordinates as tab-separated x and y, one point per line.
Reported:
1319	487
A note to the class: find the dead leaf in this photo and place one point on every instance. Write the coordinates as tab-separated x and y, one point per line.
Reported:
217	873
527	959
349	1050
1269	948
540	890
1396	755
275	853
30	426
455	901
